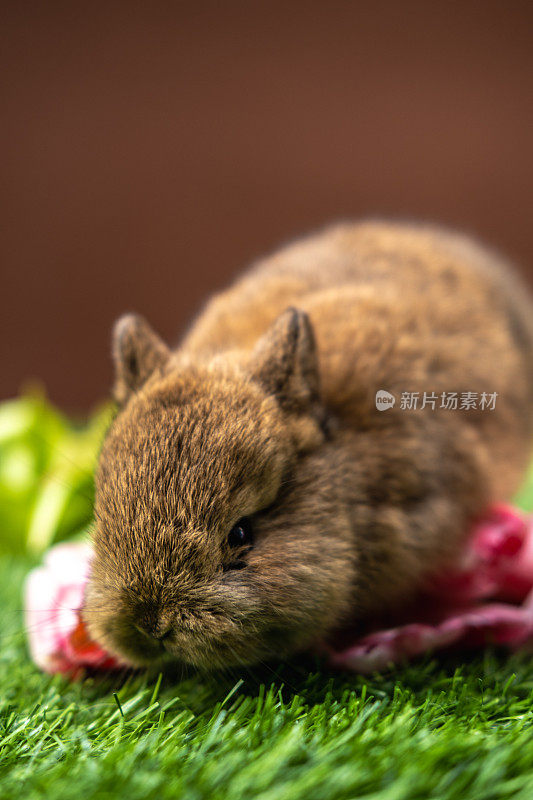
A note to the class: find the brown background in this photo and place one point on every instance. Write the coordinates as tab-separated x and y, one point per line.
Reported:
149	154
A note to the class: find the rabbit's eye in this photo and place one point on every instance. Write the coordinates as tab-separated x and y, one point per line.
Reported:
241	533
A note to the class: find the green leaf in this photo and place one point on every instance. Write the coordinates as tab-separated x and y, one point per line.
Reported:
46	473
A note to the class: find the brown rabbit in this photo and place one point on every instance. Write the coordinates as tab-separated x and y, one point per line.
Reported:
250	495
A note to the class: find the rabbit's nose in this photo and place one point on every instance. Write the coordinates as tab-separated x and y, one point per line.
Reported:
154	630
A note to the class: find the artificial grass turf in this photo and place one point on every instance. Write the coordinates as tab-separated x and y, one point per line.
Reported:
448	728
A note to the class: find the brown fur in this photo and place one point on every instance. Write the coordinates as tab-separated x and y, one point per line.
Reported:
253	417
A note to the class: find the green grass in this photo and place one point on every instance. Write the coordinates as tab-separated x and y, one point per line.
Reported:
442	728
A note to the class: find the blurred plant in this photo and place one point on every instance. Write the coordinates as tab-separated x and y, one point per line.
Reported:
46	473
524	497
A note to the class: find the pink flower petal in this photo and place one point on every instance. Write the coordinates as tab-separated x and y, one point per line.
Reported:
57	638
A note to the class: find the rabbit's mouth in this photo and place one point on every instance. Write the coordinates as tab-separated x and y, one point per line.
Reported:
138	651
227	649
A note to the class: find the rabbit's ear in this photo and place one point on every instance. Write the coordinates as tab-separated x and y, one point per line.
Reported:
285	362
137	352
